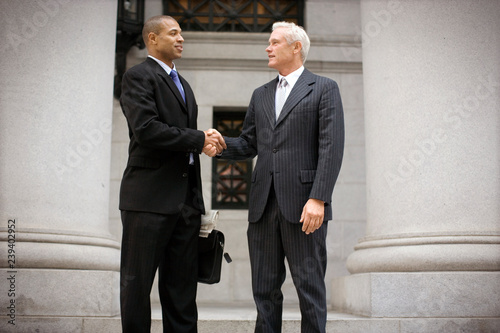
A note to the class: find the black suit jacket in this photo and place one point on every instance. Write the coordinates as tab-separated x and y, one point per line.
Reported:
300	153
162	131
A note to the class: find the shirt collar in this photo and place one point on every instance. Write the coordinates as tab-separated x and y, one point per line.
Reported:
292	78
163	65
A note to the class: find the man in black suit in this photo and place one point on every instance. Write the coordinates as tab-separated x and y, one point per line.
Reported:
160	197
295	124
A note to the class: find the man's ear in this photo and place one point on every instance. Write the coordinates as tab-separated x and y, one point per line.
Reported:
152	38
297	46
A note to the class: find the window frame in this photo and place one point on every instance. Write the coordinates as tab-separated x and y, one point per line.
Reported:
234	188
188	14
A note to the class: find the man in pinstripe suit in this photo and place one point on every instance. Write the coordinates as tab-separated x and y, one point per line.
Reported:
297	129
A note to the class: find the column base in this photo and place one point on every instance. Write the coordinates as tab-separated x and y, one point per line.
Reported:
61	293
426	253
419	294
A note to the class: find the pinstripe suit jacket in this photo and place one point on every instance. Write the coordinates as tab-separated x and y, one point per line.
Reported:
301	152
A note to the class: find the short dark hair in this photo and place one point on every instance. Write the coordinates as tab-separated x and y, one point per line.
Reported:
153	24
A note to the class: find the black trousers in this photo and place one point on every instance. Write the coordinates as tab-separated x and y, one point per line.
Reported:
169	244
270	241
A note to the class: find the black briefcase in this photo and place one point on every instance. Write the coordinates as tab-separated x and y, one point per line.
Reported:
211	251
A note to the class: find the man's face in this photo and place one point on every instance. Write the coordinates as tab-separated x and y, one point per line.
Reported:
169	42
280	53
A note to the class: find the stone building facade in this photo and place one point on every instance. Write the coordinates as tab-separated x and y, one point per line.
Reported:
223	69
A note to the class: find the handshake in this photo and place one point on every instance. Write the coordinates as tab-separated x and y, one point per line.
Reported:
214	143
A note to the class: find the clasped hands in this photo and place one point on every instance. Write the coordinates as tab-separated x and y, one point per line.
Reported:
214	143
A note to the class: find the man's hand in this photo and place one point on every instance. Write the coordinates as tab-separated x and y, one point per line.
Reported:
210	150
312	215
213	140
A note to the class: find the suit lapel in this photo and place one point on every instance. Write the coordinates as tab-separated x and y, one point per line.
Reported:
172	87
301	89
168	80
190	101
269	101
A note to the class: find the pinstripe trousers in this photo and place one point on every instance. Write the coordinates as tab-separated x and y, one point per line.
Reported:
270	241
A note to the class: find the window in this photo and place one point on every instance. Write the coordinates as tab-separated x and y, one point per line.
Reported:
231	179
233	15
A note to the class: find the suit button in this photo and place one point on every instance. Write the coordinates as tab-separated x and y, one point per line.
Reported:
184	175
275	150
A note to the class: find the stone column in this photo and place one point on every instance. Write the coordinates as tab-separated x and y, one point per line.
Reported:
56	85
432	98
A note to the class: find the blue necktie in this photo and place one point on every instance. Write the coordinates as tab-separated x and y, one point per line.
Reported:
175	77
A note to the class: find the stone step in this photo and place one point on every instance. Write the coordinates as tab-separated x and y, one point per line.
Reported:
240	318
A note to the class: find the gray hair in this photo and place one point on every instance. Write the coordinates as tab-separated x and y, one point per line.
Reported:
295	33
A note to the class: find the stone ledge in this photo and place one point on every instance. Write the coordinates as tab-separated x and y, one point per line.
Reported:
261	65
337	322
424	257
46	293
419	294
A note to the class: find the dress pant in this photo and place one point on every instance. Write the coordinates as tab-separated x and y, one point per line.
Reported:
169	244
270	241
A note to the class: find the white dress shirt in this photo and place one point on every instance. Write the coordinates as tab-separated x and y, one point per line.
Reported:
291	79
